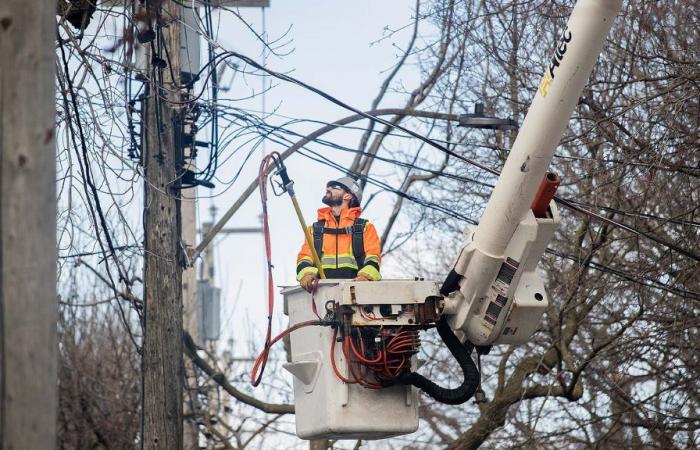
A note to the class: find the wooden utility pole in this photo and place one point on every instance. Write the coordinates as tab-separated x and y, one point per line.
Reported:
189	299
28	346
162	364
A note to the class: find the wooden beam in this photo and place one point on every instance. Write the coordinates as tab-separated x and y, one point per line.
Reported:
28	303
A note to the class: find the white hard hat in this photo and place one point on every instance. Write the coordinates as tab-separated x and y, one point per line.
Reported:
350	184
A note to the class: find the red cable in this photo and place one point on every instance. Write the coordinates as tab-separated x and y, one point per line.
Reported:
265	166
346	353
335	368
314	288
262	357
363	359
362	378
366	317
376	365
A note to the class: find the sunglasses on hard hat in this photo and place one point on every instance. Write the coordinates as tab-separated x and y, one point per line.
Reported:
336	186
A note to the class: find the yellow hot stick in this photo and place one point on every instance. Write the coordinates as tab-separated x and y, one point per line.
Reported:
307	234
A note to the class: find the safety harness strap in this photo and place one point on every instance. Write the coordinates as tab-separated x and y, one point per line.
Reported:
358	241
337	231
358	238
318	237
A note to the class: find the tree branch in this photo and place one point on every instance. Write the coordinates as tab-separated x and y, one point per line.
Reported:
270	408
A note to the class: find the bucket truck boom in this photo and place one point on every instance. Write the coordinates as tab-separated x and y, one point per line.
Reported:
355	378
494	294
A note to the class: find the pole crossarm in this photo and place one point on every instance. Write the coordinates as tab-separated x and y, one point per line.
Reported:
216	229
241	230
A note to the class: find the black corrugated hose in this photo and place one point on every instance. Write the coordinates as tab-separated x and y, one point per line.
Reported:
462	353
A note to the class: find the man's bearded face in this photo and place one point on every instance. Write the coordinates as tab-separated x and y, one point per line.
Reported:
334	196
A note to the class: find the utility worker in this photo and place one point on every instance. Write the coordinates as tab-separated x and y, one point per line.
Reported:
347	245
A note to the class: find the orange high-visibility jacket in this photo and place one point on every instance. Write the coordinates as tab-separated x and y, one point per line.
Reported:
338	260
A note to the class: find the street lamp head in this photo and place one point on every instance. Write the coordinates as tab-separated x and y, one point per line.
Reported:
481	121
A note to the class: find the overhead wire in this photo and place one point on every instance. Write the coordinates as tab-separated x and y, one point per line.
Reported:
208	172
658	240
101	252
451	213
315	156
424	169
223	56
319	158
623	212
640	279
654	166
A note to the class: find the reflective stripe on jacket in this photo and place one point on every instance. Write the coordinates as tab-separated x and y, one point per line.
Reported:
338	260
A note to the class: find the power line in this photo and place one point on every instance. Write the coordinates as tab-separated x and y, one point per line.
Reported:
658	240
403	164
643	215
318	158
645	281
80	255
673	168
444	149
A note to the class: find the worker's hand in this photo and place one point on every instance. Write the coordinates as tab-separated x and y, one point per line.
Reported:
362	277
307	281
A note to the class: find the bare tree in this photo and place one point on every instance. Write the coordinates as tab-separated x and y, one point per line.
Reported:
99	387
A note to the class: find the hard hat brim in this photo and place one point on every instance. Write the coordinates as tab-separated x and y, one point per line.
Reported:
345	186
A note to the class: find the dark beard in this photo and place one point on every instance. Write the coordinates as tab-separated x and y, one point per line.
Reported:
330	201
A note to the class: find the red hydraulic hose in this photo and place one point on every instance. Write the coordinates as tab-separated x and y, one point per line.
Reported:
333	363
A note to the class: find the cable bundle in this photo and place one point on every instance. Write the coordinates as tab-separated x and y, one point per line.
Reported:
376	357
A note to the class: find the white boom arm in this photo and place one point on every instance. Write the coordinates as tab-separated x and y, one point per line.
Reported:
499	298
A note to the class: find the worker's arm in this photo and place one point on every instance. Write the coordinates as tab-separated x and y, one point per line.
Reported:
305	262
373	254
